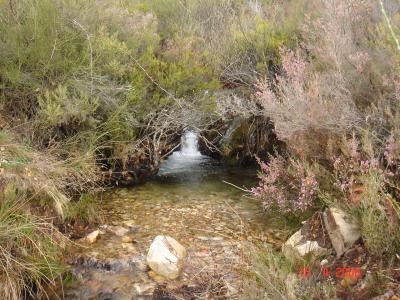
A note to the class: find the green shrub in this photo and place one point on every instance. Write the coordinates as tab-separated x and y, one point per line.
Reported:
379	215
64	107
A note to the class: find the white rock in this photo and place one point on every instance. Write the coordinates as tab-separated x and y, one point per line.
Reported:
166	257
144	288
296	245
343	231
324	262
92	237
309	246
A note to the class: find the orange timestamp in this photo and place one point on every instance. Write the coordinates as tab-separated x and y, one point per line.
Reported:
339	273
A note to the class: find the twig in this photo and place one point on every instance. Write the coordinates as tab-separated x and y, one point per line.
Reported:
91	51
247	191
54	48
389	24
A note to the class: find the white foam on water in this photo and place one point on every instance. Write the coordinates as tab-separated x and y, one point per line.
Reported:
186	159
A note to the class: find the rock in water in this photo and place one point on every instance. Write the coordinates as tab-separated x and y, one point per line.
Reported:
92	237
166	256
127	239
118	230
144	288
343	231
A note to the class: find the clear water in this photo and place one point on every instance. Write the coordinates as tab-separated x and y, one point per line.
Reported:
189	200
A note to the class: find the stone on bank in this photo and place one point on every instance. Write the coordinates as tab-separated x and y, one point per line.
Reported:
309	240
343	231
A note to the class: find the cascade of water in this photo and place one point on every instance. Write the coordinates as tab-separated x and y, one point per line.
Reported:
186	159
189	145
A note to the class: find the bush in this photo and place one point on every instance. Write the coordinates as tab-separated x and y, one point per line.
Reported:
366	184
288	186
379	215
336	105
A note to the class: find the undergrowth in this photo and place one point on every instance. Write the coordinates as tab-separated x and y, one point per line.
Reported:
31	251
84	211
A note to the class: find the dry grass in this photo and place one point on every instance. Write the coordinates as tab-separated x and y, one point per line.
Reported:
30	249
41	174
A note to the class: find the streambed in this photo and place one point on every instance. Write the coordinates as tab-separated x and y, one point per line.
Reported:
188	200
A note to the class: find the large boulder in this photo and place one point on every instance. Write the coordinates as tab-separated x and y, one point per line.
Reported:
309	240
343	231
166	256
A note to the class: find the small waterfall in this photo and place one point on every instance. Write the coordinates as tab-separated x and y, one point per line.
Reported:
187	160
189	145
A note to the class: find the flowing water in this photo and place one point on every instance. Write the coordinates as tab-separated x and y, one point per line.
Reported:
188	200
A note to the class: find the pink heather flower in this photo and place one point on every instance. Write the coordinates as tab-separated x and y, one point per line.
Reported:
289	191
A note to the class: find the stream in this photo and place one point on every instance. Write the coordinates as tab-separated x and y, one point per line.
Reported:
190	200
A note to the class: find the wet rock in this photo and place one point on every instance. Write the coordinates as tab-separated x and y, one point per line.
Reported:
118	230
92	261
166	256
144	288
343	231
127	239
92	237
157	278
131	224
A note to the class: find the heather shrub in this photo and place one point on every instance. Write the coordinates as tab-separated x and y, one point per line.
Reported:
289	186
335	82
300	100
365	180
